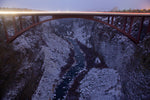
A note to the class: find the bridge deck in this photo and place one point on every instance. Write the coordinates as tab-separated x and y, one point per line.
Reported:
73	13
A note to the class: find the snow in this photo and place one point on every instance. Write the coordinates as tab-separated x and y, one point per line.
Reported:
55	56
56	52
116	52
42	18
80	35
22	44
97	60
98	83
101	84
120	53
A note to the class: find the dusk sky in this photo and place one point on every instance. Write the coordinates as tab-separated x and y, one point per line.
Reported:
76	5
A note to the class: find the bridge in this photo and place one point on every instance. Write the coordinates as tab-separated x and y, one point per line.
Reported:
128	20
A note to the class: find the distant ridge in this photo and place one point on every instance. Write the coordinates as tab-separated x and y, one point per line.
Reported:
113	10
16	9
133	10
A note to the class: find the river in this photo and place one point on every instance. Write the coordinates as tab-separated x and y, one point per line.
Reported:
79	65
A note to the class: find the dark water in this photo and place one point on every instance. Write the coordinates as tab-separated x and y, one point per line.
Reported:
63	87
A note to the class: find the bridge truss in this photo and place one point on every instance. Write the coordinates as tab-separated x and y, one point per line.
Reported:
128	20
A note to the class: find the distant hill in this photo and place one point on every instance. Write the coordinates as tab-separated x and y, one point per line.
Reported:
134	10
115	9
16	9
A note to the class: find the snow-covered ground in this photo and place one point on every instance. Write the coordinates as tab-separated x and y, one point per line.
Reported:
54	51
117	51
55	56
100	84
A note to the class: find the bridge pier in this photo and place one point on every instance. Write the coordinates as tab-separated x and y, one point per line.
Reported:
108	19
148	30
14	24
5	29
20	20
112	20
33	19
131	23
125	22
140	30
37	19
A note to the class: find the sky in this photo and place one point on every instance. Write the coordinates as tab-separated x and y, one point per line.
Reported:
76	5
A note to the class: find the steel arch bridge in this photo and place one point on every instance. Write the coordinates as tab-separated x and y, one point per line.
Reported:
128	20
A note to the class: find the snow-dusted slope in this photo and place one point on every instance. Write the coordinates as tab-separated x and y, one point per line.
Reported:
100	84
55	56
118	52
44	50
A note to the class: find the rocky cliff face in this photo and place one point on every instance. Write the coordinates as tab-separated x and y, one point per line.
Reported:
130	60
118	52
114	66
41	56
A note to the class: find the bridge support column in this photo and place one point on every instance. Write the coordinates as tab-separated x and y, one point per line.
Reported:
20	20
5	29
33	20
148	29
131	22
37	19
125	22
141	25
108	19
14	24
112	20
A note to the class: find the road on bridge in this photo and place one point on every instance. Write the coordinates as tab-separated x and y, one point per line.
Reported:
44	13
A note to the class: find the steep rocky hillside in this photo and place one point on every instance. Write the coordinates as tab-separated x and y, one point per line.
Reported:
74	59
